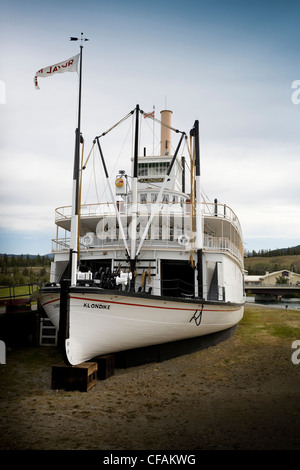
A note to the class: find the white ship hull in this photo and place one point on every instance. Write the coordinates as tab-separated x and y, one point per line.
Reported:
107	322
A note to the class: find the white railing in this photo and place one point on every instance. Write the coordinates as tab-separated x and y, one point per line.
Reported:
220	211
210	244
222	244
87	210
173	220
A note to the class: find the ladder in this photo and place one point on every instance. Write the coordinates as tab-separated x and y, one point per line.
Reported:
48	333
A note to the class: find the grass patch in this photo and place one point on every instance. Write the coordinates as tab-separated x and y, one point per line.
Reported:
269	323
285	331
17	291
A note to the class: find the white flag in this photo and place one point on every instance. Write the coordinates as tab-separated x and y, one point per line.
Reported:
69	65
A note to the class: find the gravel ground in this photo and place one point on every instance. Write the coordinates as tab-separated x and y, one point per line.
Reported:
242	394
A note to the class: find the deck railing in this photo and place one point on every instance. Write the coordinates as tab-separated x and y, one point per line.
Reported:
173	221
176	209
210	244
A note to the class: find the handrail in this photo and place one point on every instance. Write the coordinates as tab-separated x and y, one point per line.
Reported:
210	244
211	210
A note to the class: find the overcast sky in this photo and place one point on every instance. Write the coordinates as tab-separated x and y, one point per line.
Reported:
229	63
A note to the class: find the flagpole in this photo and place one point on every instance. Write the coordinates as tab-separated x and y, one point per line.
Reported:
76	171
64	318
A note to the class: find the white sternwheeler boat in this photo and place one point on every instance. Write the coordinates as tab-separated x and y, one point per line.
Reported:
153	264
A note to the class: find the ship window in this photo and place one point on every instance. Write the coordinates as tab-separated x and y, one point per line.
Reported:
164	167
143	169
158	168
153	168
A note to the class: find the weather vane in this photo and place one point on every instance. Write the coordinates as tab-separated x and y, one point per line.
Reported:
77	39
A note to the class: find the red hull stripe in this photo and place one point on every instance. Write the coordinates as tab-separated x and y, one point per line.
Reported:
137	305
143	305
50	302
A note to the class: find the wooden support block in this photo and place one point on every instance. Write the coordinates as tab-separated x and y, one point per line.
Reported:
106	366
82	377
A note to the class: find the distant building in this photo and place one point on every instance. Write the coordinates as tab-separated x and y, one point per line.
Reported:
271	279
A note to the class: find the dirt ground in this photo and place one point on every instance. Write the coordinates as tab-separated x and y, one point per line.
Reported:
242	394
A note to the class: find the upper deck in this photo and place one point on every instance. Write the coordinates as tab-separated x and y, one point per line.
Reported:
99	226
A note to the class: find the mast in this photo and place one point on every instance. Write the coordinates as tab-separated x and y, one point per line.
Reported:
75	190
133	225
199	223
64	319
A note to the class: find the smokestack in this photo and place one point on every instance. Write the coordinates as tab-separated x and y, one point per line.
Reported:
165	140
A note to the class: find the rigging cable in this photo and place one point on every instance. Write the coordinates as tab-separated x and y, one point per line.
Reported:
126	137
117	160
154	137
89	184
115	125
84	166
162	123
95	182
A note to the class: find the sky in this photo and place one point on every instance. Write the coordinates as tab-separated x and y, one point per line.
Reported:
232	64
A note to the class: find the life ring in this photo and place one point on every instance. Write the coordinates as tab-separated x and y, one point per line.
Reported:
119	182
183	240
88	239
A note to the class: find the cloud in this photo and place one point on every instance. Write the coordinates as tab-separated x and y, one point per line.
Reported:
231	65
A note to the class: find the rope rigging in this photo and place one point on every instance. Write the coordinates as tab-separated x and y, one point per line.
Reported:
162	123
120	122
189	150
131	113
115	125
